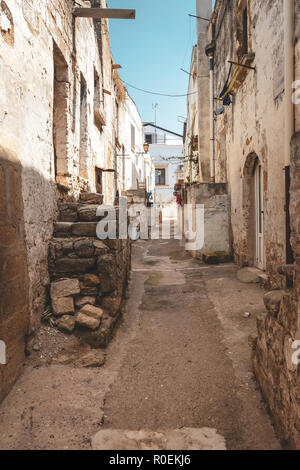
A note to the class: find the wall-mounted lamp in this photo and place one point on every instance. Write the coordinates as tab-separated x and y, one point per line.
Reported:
219	111
146	147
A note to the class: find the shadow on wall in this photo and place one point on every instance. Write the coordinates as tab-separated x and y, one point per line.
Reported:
14	309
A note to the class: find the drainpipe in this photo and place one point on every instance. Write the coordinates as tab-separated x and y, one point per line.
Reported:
210	52
288	6
212	121
288	10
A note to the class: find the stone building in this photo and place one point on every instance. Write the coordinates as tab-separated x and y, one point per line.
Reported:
250	63
166	151
66	121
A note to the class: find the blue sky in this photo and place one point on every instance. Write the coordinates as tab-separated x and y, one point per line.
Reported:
151	50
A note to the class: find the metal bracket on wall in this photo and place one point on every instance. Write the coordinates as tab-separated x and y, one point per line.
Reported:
242	65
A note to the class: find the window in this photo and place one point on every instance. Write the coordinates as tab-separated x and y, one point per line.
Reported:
98	180
242	30
132	138
160	176
96	89
149	138
245	32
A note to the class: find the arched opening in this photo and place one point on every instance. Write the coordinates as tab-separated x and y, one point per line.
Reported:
253	212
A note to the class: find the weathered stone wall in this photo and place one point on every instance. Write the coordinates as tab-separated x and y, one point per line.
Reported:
14	308
204	8
214	198
55	72
297	63
191	148
276	354
252	125
89	276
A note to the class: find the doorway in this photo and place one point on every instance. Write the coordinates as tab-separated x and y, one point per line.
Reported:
60	112
259	215
83	146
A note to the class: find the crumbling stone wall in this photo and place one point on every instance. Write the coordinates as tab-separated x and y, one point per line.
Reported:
89	276
277	351
47	57
42	44
14	308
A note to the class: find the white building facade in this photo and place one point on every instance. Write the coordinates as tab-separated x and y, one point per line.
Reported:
166	149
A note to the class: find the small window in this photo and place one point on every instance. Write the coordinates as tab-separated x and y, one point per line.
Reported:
149	138
132	138
99	187
160	176
245	32
96	89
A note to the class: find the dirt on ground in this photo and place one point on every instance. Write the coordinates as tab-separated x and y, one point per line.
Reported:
179	359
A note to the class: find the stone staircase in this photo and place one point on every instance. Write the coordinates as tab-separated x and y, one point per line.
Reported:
136	196
88	276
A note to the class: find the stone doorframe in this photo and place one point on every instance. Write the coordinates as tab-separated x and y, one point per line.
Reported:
247	256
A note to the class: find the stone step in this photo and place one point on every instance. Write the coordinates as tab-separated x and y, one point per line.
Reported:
91	198
78	247
77	212
75	229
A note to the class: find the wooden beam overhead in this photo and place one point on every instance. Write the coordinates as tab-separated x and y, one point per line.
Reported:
104	13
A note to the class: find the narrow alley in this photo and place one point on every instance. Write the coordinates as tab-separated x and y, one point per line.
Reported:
150	226
180	359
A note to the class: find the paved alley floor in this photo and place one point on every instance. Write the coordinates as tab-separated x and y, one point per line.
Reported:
179	359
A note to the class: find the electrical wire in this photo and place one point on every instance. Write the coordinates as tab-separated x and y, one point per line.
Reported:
159	94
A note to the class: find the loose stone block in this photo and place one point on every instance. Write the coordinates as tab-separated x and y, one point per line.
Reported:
87	321
81	301
101	337
92	311
66	324
84	229
88	213
62	305
88	291
91	280
65	288
112	304
100	247
63	229
68	212
91	198
84	248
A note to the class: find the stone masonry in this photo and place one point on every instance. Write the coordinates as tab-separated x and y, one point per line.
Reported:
89	276
275	356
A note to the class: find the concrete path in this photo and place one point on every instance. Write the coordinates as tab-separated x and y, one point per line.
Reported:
189	362
178	371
